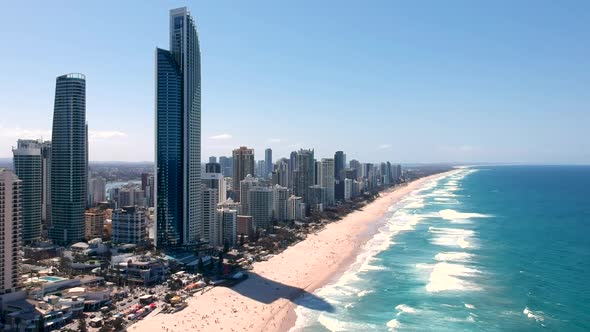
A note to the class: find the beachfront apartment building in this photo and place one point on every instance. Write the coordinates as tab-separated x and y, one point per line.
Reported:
260	207
211	226
10	230
327	179
280	196
295	208
228	218
246	185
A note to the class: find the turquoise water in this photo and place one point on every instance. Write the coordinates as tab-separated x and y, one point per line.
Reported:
484	249
50	278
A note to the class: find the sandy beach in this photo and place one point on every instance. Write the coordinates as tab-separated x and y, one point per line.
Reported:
264	301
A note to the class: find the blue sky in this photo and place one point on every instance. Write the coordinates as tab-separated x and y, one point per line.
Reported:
412	81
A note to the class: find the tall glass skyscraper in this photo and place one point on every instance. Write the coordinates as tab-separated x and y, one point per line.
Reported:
178	135
69	160
28	166
304	175
267	162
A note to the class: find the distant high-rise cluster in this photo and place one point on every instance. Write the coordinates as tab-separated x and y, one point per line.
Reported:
290	189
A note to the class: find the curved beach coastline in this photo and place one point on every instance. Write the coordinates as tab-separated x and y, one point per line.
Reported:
264	302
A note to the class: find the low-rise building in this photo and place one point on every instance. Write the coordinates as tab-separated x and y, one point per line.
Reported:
146	272
94	223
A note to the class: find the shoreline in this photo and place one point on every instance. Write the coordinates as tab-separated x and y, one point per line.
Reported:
265	301
372	226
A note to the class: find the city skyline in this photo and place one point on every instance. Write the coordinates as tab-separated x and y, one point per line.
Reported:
482	82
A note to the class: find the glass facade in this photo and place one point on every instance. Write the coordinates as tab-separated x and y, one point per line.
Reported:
69	161
178	135
28	166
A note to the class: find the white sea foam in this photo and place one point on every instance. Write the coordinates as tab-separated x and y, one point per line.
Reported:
424	266
393	325
363	293
453	256
451	277
332	324
452	187
402	308
442	193
371	267
449	214
536	315
347	288
415	205
452	237
469	306
337	325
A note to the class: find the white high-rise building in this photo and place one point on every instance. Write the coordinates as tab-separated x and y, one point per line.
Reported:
248	183
348	193
10	231
295	208
260	206
129	225
280	196
98	190
215	181
211	228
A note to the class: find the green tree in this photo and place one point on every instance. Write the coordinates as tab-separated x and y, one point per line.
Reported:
64	265
82	327
225	246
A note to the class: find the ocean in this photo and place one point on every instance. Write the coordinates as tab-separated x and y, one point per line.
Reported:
494	248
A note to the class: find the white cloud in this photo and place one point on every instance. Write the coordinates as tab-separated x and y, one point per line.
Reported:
18	133
221	137
100	135
384	146
274	140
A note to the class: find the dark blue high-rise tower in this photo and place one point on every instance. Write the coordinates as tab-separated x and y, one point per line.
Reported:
178	135
69	160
